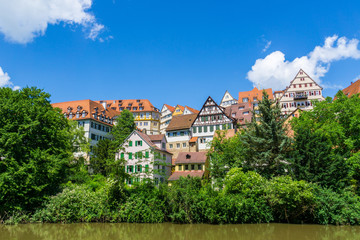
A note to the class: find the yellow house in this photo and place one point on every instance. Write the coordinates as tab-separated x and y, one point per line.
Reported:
179	110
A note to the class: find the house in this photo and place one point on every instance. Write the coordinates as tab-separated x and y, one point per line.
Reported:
227	100
96	119
354	88
166	116
145	157
178	133
179	110
254	96
210	118
189	164
147	117
241	112
189	110
301	93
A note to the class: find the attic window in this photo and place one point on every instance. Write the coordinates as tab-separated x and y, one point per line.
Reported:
138	100
134	108
77	114
188	156
140	104
130	104
69	109
79	108
141	108
113	108
120	104
83	114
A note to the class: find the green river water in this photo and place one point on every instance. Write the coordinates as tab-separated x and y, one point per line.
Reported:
168	231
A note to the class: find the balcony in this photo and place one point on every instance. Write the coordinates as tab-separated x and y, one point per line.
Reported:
300	97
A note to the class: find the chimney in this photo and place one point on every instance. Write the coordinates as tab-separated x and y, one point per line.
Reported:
351	83
104	105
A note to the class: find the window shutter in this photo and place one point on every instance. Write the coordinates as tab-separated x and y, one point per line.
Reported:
140	166
136	155
122	155
146	168
136	143
140	143
127	169
135	170
146	154
130	155
130	144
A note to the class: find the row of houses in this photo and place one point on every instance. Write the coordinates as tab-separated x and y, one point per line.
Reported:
173	141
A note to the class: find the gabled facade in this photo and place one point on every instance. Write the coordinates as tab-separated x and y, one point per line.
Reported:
300	94
166	116
178	134
147	117
146	157
242	112
254	96
228	100
179	110
210	118
189	110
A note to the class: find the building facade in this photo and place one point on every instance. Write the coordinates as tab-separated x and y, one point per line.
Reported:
145	157
210	118
147	117
254	96
301	93
96	119
228	100
189	164
166	116
178	134
241	112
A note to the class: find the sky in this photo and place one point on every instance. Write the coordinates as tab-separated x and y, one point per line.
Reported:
175	52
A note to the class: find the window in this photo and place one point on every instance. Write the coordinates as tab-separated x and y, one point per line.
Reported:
245	99
186	167
93	136
211	128
178	145
192	167
170	146
200	129
130	156
194	129
163	145
147	115
217	127
146	168
246	113
130	144
184	145
146	154
294	85
139	168
199	167
122	155
181	133
138	143
180	167
255	98
145	123
241	108
233	115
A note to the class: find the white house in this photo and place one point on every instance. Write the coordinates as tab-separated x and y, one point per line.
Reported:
300	94
145	157
228	100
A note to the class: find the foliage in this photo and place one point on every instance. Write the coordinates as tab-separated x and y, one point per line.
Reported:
124	125
103	157
35	148
224	154
324	139
265	141
238	182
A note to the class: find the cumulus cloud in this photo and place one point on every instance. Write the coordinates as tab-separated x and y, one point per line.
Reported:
23	20
5	80
274	71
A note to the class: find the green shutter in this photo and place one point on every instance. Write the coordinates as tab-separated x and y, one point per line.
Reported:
211	128
122	155
135	168
140	143
146	168
194	129
140	168
136	155
130	144
146	154
130	155
127	169
135	143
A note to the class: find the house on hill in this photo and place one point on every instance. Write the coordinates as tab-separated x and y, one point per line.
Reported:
189	164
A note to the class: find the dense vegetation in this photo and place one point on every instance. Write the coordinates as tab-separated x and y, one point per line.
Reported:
260	175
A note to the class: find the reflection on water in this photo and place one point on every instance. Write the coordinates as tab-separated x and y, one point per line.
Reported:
170	231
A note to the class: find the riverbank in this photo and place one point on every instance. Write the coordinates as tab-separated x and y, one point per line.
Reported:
170	231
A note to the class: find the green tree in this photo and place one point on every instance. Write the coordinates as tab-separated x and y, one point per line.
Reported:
265	141
124	125
103	157
35	148
327	141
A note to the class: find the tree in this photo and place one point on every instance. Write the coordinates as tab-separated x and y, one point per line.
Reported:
103	157
327	141
224	154
265	141
123	127
35	148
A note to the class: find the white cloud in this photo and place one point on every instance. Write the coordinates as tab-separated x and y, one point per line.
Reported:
274	71
268	44
5	80
23	20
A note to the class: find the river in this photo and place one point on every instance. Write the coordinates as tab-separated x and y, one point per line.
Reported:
168	231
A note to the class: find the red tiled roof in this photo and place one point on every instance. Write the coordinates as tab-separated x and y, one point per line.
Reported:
178	174
90	107
192	110
354	88
255	93
133	104
191	157
171	109
147	138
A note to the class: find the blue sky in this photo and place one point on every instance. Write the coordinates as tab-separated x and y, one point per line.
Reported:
176	52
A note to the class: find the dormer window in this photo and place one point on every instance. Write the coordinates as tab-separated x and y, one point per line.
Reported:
96	109
79	108
71	115
69	109
77	114
134	108
141	108
138	100
140	104
83	114
130	104
65	115
188	156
